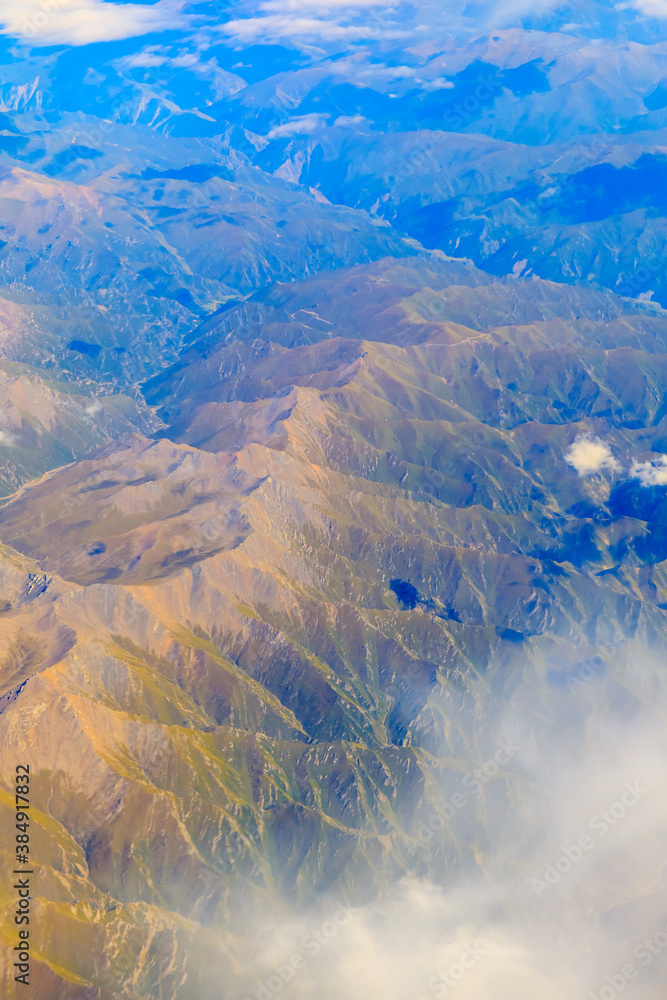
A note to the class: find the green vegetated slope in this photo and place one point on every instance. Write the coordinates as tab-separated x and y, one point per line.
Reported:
249	654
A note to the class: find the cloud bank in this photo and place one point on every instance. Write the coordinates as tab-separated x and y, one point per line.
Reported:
564	900
80	22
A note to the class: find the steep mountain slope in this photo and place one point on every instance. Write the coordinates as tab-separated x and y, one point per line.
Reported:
134	259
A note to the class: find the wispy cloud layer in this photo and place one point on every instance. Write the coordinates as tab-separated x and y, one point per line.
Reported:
310	21
79	22
564	895
277	27
322	20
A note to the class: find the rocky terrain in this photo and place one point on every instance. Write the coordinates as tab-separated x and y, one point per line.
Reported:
332	457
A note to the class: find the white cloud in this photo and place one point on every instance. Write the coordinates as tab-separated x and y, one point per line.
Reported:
310	21
344	120
389	72
305	124
143	60
556	900
318	7
275	27
79	22
589	455
652	8
439	83
324	20
186	60
651	473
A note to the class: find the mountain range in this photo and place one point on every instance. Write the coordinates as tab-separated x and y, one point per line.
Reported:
333	364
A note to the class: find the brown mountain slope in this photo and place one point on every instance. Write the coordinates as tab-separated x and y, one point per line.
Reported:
341	579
